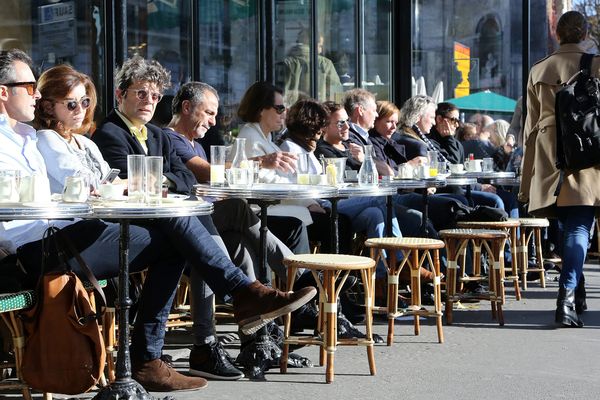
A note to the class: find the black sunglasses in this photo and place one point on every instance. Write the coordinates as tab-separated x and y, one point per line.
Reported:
30	86
71	104
279	108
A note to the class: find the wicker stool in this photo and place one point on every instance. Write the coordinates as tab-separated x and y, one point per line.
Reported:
529	228
493	242
335	269
416	251
511	227
10	306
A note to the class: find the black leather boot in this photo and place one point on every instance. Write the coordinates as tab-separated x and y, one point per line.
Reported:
565	309
580	303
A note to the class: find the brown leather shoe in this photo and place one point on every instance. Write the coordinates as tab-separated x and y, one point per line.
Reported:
157	376
426	275
256	305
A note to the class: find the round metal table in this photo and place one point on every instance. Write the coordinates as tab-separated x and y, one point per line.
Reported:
124	387
50	210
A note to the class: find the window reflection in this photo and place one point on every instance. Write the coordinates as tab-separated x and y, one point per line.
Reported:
292	50
460	50
228	48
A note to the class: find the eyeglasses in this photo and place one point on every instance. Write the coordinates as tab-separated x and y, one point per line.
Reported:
30	86
455	121
340	124
71	104
142	94
279	108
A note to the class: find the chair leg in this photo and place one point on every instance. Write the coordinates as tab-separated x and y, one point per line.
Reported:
514	263
367	276
415	280
539	256
438	295
392	297
331	331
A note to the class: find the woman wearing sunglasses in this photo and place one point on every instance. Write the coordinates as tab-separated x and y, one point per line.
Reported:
62	116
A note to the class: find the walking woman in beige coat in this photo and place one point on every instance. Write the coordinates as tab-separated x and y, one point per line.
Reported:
579	195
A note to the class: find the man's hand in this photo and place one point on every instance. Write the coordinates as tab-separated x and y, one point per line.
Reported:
356	151
282	161
419	160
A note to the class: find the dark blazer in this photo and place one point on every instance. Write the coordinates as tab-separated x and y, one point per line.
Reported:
116	142
450	146
388	151
479	148
413	147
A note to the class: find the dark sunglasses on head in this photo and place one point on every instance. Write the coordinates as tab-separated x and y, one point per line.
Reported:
71	104
340	124
30	86
142	94
279	108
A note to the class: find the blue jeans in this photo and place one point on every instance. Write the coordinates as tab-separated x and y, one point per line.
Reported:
577	223
163	246
369	214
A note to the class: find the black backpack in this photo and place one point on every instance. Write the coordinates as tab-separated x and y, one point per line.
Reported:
577	111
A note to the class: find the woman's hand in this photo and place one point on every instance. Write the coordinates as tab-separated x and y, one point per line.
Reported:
281	160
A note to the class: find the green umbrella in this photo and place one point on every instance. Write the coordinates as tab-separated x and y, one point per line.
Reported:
485	101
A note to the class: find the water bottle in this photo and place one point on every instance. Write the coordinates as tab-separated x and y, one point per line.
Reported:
238	175
367	175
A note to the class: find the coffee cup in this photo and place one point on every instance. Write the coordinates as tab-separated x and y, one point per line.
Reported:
473	165
457	168
111	191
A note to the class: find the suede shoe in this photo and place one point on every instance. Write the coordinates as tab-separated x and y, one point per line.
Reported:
211	361
256	305
157	376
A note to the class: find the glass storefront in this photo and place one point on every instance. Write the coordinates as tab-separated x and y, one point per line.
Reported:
459	50
317	48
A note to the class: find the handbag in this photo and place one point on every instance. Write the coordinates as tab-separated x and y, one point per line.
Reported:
64	349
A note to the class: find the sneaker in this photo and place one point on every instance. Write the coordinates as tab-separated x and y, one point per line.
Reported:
212	361
158	376
256	305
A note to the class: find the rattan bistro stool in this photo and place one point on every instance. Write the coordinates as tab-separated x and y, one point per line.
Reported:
335	268
492	242
529	228
511	226
416	251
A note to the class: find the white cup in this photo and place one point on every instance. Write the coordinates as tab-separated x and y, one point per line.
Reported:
405	171
457	168
111	191
76	189
473	165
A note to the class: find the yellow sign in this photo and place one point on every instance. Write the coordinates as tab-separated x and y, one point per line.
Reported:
462	59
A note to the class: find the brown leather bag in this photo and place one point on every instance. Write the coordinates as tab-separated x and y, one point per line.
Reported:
64	349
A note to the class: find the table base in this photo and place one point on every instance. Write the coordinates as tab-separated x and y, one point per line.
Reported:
126	389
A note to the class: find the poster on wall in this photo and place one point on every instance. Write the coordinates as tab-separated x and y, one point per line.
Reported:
57	30
462	63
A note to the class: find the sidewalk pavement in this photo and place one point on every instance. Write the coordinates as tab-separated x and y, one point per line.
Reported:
528	358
